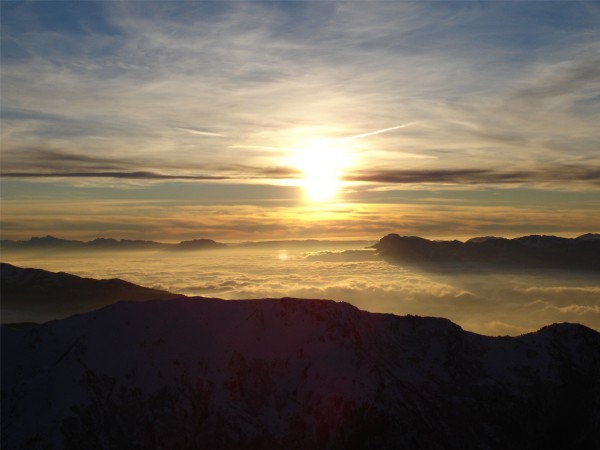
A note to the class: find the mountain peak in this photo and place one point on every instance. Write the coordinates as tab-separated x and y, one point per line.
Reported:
589	237
531	252
291	373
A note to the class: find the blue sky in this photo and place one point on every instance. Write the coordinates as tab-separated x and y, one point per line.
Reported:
433	112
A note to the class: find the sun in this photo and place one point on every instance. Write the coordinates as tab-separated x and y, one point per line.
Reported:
321	162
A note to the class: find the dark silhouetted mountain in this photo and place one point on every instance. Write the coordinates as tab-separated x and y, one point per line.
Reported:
478	240
540	241
198	244
36	293
589	236
40	243
293	374
534	252
50	243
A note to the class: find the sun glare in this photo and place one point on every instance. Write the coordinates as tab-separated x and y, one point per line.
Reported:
321	162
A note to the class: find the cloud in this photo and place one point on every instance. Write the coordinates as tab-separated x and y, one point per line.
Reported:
268	173
174	210
566	80
127	94
117	175
200	132
50	163
490	303
135	83
549	175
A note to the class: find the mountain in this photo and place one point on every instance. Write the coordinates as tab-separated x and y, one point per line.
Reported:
480	239
198	244
529	252
36	293
293	374
51	243
589	236
122	244
40	243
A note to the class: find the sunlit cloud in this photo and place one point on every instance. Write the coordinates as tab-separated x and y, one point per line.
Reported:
203	211
489	303
436	96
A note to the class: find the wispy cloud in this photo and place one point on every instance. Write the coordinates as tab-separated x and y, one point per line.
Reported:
124	175
220	91
234	212
467	177
240	173
376	132
136	82
199	132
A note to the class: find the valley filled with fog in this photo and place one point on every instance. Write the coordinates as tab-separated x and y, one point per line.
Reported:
483	301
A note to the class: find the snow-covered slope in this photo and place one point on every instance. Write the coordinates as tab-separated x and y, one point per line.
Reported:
212	374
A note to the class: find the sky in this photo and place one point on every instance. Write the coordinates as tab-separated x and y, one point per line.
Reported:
287	119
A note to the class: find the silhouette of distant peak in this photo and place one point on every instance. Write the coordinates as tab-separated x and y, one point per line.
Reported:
589	236
198	244
50	240
102	243
534	251
480	239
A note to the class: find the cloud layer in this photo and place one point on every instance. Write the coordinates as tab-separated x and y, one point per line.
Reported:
181	84
488	303
431	96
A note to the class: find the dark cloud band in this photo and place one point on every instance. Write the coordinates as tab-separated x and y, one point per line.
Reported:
268	173
479	176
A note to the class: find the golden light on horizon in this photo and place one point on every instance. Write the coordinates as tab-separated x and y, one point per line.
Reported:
322	162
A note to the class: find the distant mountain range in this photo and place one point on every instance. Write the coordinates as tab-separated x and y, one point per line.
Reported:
43	295
534	252
51	243
293	374
109	244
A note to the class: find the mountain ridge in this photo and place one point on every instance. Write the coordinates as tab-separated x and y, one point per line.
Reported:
111	244
294	373
108	244
529	252
35	293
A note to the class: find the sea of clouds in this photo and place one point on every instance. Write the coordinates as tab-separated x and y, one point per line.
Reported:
485	302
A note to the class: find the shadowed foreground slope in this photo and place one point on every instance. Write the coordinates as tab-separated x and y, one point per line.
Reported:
295	374
35	294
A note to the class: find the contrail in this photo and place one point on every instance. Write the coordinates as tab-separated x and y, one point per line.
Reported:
349	138
372	133
199	132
